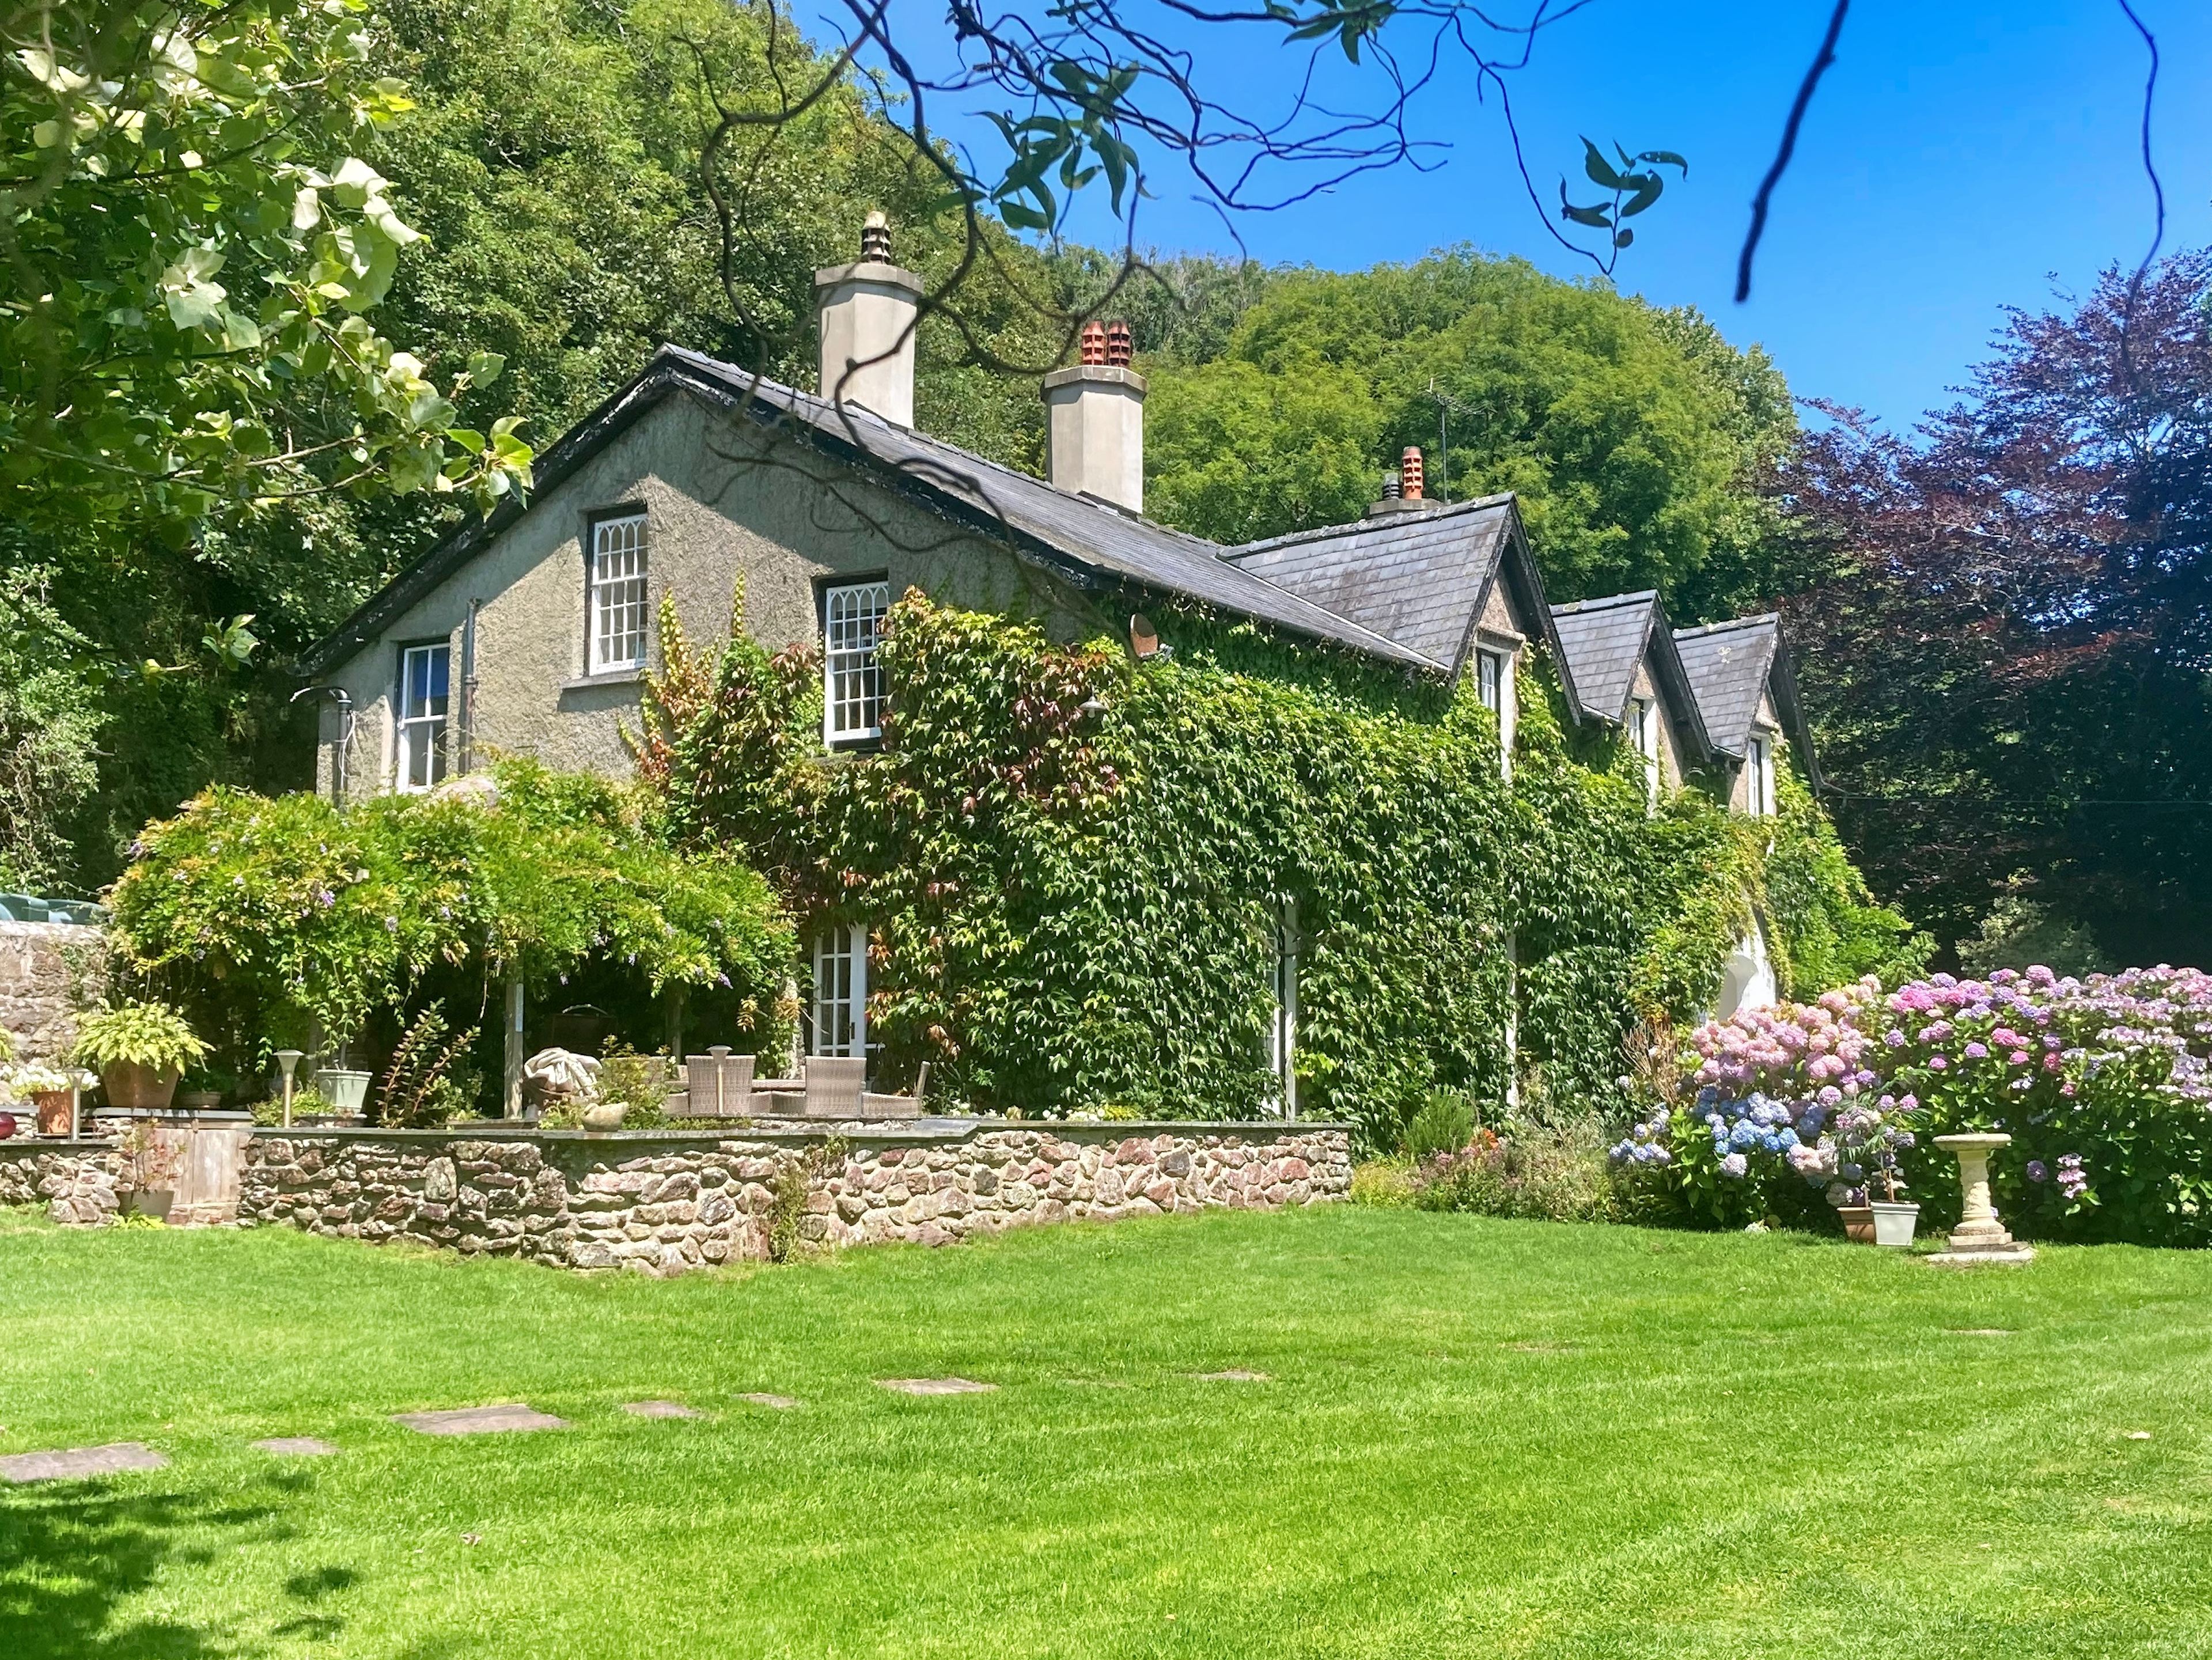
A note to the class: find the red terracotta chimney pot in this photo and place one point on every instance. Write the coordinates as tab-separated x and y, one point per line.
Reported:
1409	473
1120	345
1092	344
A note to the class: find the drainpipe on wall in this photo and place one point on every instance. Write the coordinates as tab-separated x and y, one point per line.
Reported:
469	690
344	699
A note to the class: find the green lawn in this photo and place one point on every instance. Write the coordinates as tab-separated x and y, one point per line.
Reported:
1476	1438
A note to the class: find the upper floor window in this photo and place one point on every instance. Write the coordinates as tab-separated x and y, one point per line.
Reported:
852	680
616	602
841	992
1644	732
1759	777
1490	681
425	684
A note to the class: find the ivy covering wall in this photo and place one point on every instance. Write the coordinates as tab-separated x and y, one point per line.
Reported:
1074	869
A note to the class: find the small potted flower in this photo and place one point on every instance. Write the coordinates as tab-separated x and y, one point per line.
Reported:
47	1090
140	1051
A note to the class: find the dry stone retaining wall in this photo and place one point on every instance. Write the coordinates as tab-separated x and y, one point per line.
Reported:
78	1180
662	1203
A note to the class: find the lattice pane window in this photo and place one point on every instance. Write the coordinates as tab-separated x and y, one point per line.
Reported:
841	992
852	679
424	692
618	596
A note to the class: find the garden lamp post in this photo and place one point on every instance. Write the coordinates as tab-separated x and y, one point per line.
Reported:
286	1060
1980	1237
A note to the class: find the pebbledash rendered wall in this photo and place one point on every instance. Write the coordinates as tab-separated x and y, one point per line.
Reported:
662	1203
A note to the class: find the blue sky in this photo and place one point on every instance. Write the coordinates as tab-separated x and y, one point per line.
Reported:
1959	157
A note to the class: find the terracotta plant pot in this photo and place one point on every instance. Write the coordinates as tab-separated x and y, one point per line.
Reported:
53	1110
7	1125
1859	1223
130	1084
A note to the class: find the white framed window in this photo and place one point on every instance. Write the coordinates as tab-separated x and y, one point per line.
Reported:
1490	681
852	679
1283	1012
615	601
425	691
1644	732
841	992
1759	777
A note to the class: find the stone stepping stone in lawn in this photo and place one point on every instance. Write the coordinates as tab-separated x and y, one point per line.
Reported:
72	1463
296	1446
935	1385
780	1402
1235	1375
660	1409
481	1420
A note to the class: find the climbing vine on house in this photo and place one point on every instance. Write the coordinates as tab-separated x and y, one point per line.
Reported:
1075	871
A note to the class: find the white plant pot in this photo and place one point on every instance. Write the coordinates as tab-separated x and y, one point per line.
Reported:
1893	1224
347	1092
604	1115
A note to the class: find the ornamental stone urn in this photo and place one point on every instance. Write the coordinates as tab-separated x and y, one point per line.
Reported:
1980	1237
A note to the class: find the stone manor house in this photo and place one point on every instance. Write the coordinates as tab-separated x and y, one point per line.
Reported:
531	632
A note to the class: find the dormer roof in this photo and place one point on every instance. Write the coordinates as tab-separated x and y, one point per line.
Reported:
1731	665
1605	639
1421	578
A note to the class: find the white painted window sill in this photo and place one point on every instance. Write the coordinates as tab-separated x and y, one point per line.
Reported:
632	677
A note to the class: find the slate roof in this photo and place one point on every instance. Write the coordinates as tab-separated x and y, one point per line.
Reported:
1091	543
1604	640
1419	578
1728	665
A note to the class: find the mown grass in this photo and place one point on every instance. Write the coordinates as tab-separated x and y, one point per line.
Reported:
1477	1437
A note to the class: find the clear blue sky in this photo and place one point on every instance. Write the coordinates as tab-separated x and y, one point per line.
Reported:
1960	156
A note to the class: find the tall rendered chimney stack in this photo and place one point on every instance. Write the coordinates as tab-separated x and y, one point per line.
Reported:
1094	420
866	313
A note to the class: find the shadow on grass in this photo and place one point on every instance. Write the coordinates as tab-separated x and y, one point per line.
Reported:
73	1554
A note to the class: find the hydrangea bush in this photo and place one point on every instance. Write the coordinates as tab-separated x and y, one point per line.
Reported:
2104	1083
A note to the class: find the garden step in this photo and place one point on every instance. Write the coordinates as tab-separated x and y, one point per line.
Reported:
72	1463
935	1385
481	1420
660	1409
296	1446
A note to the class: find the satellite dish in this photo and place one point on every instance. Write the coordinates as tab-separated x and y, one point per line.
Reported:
1143	638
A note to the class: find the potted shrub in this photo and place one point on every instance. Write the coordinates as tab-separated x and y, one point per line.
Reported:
1868	1138
140	1051
205	1089
153	1172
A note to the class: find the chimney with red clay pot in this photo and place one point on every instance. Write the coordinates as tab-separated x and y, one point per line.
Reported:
1403	490
1094	420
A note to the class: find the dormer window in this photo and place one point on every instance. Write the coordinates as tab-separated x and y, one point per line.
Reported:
1643	733
1759	776
852	680
1490	682
615	601
1493	685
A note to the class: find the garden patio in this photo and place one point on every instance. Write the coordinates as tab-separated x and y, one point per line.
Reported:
1342	1431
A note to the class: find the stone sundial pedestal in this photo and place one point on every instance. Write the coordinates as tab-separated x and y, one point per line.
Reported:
1980	1237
